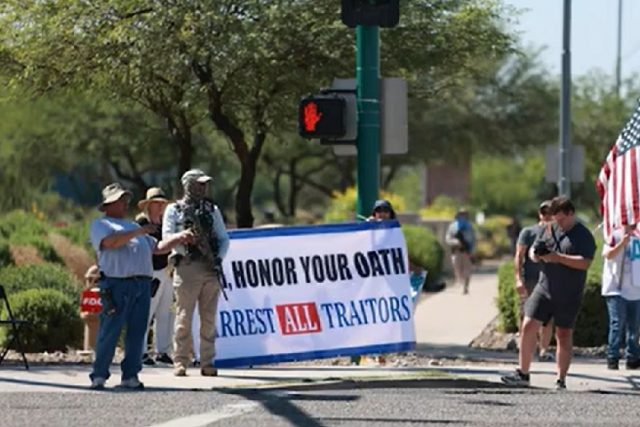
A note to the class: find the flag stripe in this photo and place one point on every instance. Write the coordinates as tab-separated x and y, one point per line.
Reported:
618	181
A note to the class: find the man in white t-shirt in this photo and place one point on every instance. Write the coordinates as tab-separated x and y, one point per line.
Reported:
621	289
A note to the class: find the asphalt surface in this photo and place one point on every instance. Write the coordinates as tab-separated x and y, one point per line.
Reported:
366	403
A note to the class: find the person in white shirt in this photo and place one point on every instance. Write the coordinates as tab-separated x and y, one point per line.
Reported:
621	290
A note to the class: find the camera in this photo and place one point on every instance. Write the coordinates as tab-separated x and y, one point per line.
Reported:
540	248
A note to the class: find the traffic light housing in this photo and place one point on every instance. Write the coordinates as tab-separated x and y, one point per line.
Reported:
330	116
383	13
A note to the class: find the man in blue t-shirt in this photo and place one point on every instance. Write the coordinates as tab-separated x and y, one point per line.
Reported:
124	251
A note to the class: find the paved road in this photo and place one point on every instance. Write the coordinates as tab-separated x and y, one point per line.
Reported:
432	402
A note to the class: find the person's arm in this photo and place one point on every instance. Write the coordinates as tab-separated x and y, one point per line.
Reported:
171	241
610	252
518	262
450	238
585	248
577	262
221	233
121	238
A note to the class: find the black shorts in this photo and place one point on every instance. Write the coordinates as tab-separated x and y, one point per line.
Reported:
542	308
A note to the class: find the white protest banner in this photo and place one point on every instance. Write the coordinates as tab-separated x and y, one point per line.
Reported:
298	293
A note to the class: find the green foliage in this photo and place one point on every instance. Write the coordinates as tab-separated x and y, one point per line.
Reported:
78	233
592	323
21	222
343	205
40	276
5	254
424	250
442	207
55	323
508	300
492	237
503	186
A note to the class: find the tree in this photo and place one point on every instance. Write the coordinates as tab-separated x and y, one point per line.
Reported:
242	64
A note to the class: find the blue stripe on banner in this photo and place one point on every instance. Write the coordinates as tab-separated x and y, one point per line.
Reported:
310	355
312	229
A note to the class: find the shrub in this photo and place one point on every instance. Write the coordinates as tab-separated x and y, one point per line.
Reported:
78	233
5	254
442	207
55	323
343	205
492	237
23	222
40	242
592	323
424	250
37	276
508	300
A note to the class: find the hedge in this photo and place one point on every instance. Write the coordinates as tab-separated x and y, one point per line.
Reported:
591	325
54	320
424	250
40	276
508	300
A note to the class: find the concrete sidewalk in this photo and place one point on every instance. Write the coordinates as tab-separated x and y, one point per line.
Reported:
585	376
451	319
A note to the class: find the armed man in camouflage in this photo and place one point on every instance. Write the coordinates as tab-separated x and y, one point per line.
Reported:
197	268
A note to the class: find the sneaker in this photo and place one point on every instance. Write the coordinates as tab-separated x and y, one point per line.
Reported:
633	364
517	378
612	364
97	383
180	371
208	371
164	358
132	383
561	384
147	360
196	363
546	357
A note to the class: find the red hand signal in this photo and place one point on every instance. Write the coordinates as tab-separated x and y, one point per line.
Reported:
311	116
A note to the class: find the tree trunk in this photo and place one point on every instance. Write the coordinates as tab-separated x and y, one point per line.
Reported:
181	134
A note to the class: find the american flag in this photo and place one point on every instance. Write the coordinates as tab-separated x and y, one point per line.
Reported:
618	181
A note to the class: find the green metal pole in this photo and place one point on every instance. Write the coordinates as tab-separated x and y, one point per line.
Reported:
368	142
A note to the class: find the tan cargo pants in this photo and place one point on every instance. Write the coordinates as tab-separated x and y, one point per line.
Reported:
195	281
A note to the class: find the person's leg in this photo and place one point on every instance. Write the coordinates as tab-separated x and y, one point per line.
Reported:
466	271
564	339
110	327
164	315
615	329
456	263
195	333
186	294
153	309
208	308
139	293
528	340
632	322
544	338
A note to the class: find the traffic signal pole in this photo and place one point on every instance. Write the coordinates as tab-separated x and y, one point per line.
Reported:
368	141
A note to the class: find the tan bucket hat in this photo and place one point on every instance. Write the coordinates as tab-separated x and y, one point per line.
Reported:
112	193
154	194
